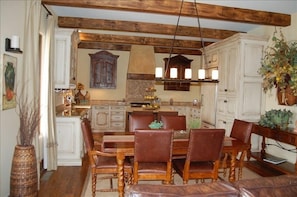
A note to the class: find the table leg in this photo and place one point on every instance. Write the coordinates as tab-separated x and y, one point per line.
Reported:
232	167
121	183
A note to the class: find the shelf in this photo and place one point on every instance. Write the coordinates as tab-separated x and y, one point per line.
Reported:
285	167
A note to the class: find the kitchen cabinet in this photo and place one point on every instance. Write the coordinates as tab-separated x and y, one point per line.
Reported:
239	93
65	58
70	143
192	113
108	117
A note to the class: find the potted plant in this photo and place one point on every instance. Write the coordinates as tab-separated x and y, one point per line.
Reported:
274	118
23	178
279	69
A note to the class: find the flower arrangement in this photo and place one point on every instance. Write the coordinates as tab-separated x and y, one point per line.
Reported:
279	65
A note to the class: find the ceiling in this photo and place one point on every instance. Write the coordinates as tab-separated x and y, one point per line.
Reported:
117	24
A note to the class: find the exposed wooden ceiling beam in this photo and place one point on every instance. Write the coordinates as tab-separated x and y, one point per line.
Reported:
171	7
124	47
140	27
137	40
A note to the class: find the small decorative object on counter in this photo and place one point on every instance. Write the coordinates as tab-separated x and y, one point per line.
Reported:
156	125
195	102
276	119
171	101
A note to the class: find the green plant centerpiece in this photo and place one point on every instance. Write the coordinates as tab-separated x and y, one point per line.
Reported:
279	68
276	119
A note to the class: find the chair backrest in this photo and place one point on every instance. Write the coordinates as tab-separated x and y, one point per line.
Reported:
166	113
140	121
205	144
153	145
87	134
241	130
174	122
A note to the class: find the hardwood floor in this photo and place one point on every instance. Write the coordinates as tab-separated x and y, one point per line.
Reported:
66	181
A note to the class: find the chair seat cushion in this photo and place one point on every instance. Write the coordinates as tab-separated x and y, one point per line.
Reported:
178	165
147	167
110	162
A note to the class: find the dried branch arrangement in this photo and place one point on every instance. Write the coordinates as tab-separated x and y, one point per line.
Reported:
29	120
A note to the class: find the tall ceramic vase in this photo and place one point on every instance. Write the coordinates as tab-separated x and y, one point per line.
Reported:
23	177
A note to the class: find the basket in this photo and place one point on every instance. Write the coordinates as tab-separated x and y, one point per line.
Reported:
23	177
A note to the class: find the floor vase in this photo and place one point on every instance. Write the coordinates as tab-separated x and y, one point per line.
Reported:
23	177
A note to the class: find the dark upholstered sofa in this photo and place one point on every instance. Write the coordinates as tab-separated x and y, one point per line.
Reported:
278	186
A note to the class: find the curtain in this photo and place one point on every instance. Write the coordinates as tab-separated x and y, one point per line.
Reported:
30	79
48	97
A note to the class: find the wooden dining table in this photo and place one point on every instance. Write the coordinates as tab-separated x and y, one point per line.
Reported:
123	144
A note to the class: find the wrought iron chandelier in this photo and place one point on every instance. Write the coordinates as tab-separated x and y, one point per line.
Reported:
188	71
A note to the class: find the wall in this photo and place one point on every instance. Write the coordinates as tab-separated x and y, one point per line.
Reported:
12	14
83	71
271	100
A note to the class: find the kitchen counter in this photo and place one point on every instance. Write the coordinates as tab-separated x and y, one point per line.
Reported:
81	112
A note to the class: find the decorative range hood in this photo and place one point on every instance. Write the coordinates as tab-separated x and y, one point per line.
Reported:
141	63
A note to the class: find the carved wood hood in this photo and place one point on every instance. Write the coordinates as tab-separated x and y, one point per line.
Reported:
141	62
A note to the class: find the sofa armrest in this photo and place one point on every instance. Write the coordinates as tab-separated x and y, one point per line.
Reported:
215	189
278	186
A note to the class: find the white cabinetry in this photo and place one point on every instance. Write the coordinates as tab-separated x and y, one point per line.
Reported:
192	113
70	144
108	118
65	58
240	86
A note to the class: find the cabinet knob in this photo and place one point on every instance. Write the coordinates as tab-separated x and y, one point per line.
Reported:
225	90
224	122
225	101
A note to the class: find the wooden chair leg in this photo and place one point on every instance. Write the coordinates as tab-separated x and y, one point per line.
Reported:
94	182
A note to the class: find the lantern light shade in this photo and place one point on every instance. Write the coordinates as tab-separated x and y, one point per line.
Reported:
159	72
215	74
173	73
188	73
201	74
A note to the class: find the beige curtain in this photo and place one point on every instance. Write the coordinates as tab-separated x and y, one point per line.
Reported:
48	97
30	80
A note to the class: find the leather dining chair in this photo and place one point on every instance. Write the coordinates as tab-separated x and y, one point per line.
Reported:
166	113
153	155
241	130
174	122
203	155
101	162
140	121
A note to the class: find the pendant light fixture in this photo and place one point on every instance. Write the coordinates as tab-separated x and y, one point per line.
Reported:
200	76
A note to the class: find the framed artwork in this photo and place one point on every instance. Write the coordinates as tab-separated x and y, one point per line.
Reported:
9	78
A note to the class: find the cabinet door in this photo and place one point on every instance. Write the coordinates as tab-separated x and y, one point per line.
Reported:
228	70
62	58
69	141
224	122
100	119
103	70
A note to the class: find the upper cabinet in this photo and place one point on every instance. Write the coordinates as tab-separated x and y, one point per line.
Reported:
180	63
103	70
66	42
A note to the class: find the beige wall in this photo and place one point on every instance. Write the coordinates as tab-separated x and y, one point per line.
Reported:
271	100
10	24
119	93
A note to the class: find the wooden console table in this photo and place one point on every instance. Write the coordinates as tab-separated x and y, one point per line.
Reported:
287	137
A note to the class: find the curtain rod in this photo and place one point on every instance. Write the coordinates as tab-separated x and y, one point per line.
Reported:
47	10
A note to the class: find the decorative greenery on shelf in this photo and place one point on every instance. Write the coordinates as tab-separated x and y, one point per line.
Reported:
156	125
279	65
276	119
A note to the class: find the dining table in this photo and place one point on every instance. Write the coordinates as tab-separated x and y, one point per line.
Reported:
122	143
